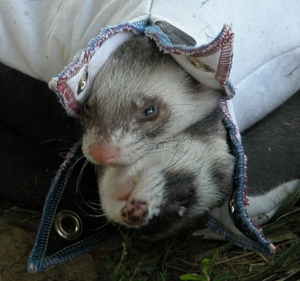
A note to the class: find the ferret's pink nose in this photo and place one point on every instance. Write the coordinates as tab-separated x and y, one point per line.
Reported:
103	154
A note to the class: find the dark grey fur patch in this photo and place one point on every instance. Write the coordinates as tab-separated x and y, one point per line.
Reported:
154	127
210	127
180	189
222	174
180	192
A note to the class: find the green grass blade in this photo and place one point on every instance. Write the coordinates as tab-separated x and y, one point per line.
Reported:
212	263
192	277
224	276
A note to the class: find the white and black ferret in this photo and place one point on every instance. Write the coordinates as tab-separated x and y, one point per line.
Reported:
158	140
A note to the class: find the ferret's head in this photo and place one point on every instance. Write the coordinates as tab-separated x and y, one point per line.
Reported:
140	98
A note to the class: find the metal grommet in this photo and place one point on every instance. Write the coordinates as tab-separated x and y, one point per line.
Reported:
231	206
83	81
200	65
68	225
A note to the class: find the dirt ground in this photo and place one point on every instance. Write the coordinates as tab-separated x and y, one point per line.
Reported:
165	260
17	234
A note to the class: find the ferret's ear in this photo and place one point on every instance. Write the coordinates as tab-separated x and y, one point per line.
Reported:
175	35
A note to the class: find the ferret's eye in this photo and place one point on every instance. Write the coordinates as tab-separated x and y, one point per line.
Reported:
86	109
149	111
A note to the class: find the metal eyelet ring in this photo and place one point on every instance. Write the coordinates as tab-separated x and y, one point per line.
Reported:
83	81
200	65
68	225
231	206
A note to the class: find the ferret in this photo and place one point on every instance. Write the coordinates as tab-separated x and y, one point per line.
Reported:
160	136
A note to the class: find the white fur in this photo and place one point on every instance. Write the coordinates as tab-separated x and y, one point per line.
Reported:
262	208
112	184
